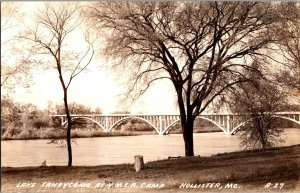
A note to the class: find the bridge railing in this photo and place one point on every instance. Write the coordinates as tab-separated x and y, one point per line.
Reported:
204	114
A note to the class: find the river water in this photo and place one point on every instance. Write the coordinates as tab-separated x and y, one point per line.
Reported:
116	150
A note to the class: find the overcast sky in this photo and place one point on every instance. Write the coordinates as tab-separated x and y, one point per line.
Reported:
97	87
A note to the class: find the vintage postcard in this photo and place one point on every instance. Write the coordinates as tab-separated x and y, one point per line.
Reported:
157	96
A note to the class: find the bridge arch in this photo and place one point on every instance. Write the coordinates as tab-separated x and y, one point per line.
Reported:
73	118
276	116
166	131
139	118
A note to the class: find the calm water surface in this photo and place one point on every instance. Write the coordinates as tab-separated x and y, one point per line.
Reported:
116	150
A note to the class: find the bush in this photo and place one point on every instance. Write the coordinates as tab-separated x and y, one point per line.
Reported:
42	120
27	134
11	133
143	127
40	123
33	133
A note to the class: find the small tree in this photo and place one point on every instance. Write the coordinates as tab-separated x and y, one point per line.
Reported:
258	100
10	114
54	25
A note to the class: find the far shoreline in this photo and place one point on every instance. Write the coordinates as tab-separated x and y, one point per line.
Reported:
115	134
108	134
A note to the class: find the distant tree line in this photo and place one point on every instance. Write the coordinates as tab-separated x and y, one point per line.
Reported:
24	116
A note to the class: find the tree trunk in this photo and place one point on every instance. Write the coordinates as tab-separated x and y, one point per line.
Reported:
187	130
261	132
68	128
187	124
69	144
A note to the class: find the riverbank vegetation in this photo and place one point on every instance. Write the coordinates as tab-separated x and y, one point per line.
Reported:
27	121
250	170
54	133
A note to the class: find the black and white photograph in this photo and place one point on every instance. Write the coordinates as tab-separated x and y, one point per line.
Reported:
150	96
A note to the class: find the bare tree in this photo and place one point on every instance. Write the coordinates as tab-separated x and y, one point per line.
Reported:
54	25
201	47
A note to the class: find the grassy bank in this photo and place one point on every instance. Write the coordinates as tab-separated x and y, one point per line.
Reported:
237	171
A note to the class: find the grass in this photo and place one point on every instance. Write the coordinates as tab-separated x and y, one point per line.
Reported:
251	170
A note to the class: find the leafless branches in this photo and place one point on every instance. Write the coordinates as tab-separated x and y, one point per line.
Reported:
14	70
54	24
193	42
288	32
202	47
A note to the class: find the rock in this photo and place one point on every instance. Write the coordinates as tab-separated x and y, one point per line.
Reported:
44	164
139	163
176	157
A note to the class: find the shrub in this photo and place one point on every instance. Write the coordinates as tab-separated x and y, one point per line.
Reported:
27	134
40	123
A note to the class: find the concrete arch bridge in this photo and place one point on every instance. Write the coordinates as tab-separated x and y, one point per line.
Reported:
228	123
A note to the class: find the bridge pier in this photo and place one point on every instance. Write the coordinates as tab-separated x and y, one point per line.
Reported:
228	124
162	125
62	120
106	128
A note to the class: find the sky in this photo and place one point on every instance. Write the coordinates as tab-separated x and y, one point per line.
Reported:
97	87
